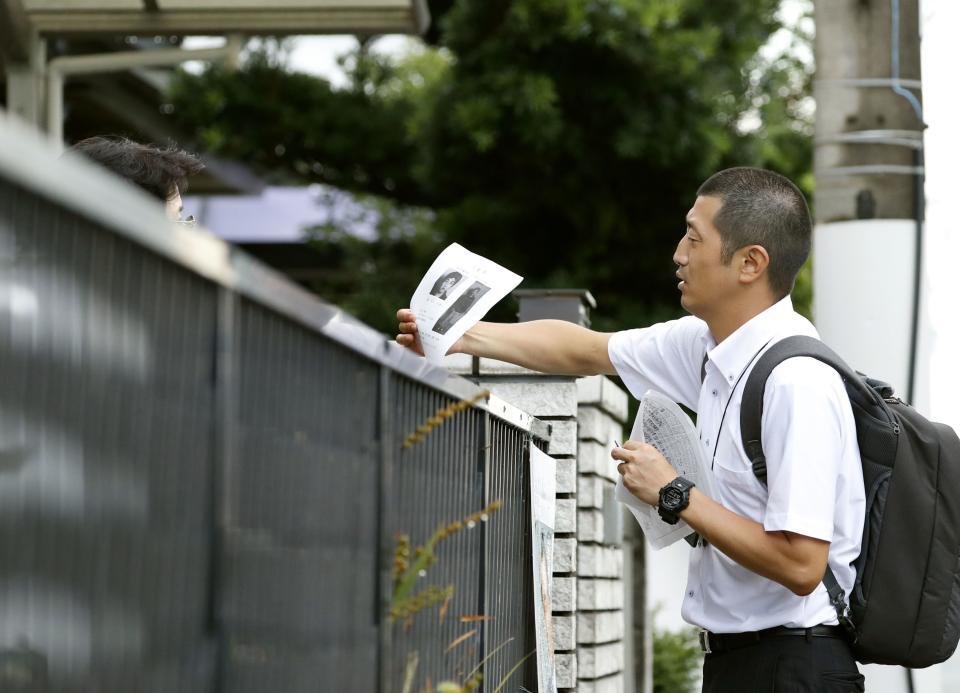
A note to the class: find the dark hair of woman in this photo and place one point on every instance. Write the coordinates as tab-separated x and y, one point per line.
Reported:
162	172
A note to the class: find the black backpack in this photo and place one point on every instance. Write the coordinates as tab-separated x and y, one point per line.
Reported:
905	604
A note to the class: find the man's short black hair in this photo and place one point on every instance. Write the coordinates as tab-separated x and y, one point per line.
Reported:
161	172
760	207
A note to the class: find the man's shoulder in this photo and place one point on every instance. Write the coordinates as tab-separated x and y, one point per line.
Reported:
808	378
806	371
687	327
692	324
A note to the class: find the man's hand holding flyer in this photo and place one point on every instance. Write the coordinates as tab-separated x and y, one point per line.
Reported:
455	293
662	424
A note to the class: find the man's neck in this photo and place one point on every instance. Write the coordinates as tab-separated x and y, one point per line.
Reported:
735	317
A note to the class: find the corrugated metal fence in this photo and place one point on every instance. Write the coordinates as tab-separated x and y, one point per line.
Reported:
202	469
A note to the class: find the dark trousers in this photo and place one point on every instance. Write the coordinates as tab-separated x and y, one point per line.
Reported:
784	664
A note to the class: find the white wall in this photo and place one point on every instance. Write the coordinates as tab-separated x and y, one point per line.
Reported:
666	581
938	381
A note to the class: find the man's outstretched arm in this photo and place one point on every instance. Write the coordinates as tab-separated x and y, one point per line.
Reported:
548	346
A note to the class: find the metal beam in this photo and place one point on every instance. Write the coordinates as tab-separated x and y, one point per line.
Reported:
421	17
121	61
25	96
348	20
14	33
59	68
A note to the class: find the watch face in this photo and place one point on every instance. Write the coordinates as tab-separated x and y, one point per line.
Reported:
672	498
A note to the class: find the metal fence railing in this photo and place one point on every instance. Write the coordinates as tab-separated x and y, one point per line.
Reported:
203	474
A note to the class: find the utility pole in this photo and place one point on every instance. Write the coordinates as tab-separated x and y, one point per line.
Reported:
867	130
868	164
868	209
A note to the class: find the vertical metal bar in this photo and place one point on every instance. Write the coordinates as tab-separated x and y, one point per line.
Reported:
483	605
919	201
527	624
385	551
25	81
226	399
226	360
55	107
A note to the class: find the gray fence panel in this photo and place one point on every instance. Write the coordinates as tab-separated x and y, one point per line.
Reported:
202	472
434	483
466	463
299	585
105	432
509	587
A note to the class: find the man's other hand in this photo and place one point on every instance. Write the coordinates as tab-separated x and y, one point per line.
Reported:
644	470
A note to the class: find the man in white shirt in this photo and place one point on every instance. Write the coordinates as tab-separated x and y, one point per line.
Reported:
754	582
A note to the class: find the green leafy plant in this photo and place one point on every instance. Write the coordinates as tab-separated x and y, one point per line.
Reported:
440	415
676	661
475	677
408	567
406	572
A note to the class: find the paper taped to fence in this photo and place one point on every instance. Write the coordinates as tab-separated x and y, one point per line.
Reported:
663	424
455	293
543	513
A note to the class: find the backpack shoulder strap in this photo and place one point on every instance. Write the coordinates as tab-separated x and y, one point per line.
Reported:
751	414
751	407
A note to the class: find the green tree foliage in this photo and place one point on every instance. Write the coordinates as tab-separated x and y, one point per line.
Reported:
563	138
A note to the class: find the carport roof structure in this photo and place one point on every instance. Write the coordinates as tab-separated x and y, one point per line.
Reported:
19	18
32	76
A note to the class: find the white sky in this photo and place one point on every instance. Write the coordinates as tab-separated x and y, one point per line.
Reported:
791	13
316	55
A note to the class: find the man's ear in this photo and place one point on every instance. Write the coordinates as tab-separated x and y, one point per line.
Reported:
753	261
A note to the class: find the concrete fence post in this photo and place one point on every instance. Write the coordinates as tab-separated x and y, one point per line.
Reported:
591	621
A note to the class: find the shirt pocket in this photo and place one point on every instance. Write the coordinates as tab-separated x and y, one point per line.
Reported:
739	489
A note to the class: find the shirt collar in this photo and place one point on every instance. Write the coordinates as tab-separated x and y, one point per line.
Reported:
734	354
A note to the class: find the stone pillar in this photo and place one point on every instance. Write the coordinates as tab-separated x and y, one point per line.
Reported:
572	305
586	415
603	624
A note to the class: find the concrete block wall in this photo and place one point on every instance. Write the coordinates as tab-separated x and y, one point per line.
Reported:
586	415
601	619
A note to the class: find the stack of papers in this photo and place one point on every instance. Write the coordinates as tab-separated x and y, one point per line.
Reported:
661	423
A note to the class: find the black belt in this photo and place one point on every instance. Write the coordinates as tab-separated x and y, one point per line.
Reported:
721	642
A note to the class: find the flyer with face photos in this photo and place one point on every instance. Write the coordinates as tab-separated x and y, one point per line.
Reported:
455	293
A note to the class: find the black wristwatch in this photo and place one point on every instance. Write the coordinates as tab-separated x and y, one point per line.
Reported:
674	499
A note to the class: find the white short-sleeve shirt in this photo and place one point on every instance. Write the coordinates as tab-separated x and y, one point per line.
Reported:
815	481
